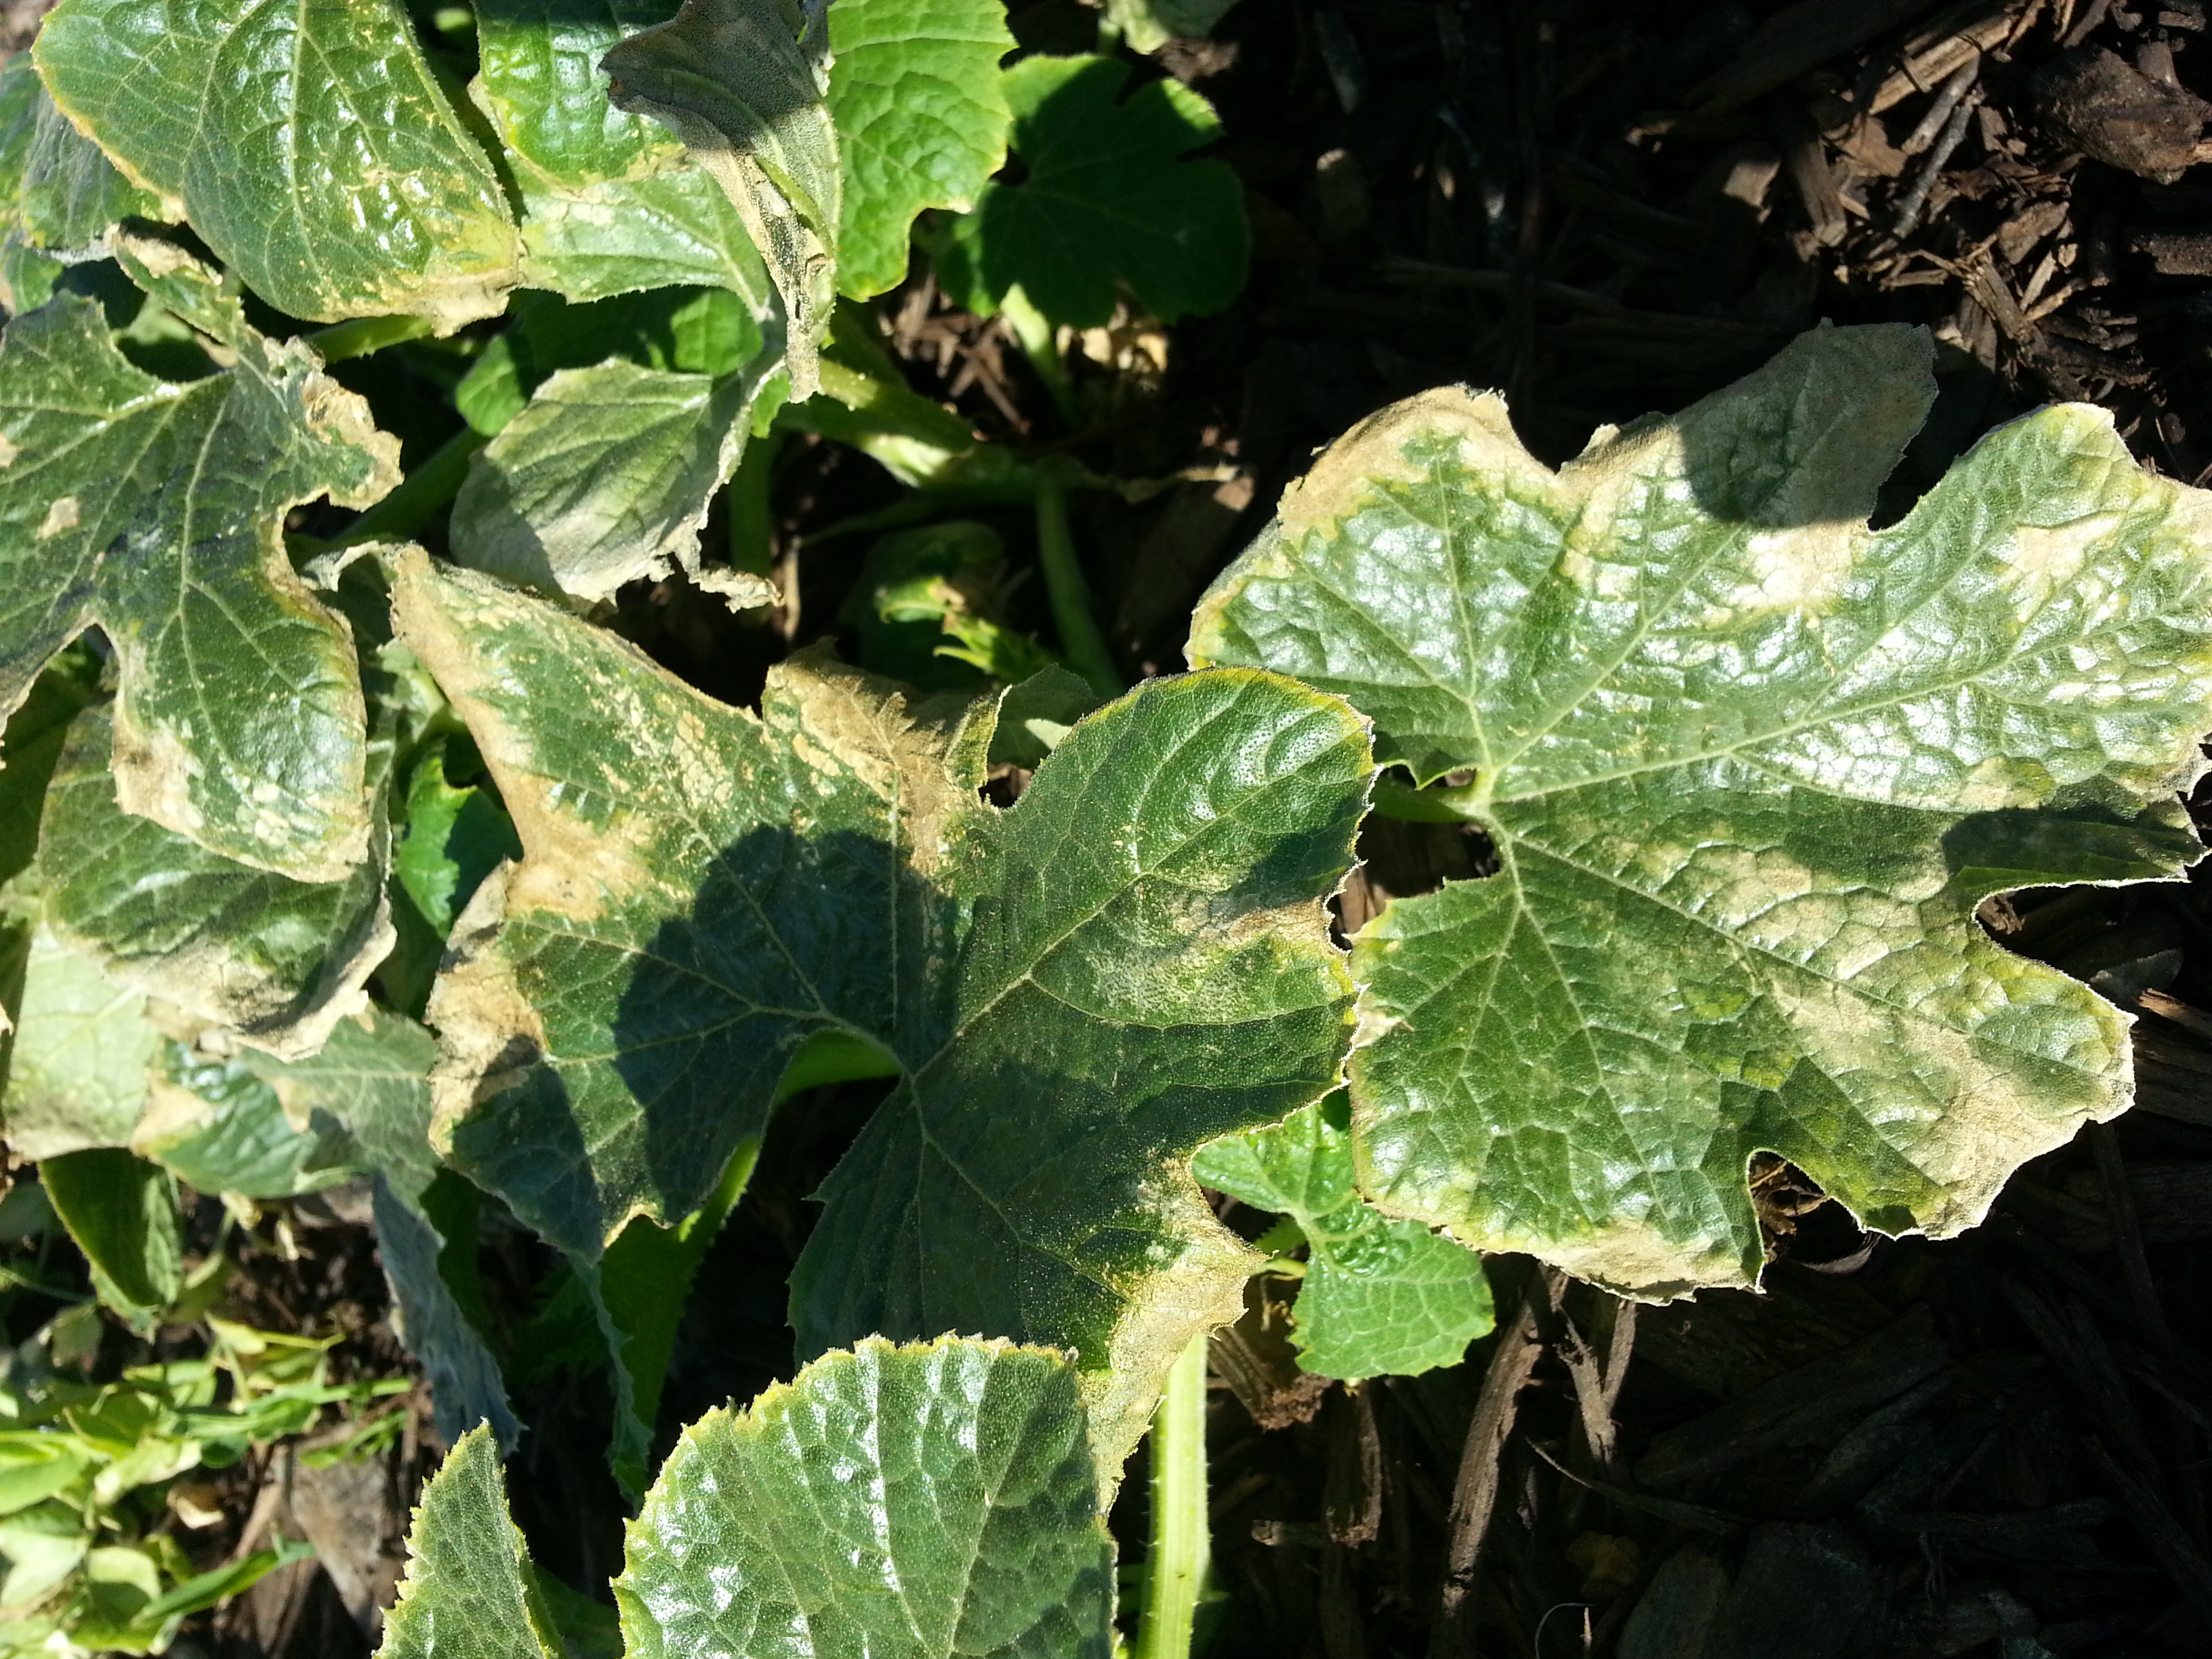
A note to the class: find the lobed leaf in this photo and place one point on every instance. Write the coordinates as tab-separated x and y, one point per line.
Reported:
1106	200
309	145
1379	1297
922	119
154	512
1748	768
707	898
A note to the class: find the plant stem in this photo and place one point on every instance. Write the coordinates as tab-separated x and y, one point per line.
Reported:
1175	1571
1033	334
1396	798
421	495
359	336
752	519
1079	638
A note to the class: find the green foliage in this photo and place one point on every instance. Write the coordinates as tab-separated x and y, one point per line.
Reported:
1106	203
60	192
915	1503
342	184
1377	1297
704	894
1748	769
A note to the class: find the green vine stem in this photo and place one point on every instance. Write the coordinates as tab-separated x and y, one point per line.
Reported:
1175	1569
421	495
1039	344
359	336
1083	645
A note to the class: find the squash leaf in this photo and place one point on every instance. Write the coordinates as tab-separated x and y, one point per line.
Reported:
156	512
1379	1297
922	119
707	897
908	1503
609	203
57	190
309	145
1748	768
1107	202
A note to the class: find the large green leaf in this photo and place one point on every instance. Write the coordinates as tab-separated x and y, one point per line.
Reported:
1748	769
1131	961
1380	1298
308	144
915	1503
217	1126
1106	200
157	511
605	477
277	961
741	83
609	204
57	190
921	117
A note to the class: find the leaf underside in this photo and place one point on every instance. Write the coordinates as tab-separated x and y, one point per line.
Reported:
1748	769
1131	961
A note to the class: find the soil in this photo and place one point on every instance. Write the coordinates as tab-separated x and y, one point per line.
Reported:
1995	1446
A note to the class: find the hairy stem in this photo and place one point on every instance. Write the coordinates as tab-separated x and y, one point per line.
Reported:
1079	638
1034	332
359	336
1175	1571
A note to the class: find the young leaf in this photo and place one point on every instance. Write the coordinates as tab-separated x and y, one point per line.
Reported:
277	961
454	838
922	119
1380	1298
309	146
1748	769
155	511
609	204
1138	946
1106	200
606	478
57	190
741	82
915	1503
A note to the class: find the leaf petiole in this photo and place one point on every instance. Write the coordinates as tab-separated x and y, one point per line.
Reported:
1176	1569
421	495
1083	645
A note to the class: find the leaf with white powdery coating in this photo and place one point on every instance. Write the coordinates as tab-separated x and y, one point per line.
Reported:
309	145
57	190
605	477
156	512
277	961
1748	769
1379	1297
1139	944
741	83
